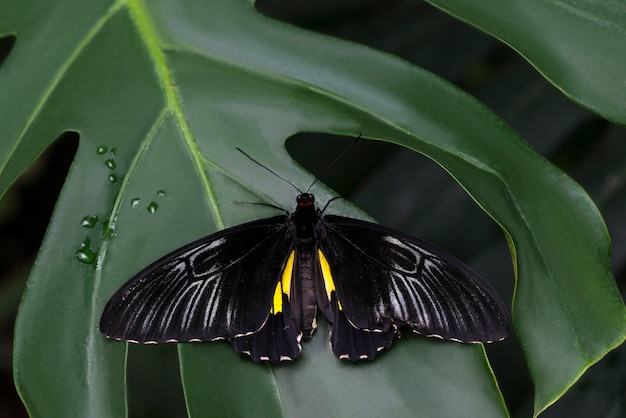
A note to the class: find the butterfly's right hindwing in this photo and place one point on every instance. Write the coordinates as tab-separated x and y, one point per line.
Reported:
219	287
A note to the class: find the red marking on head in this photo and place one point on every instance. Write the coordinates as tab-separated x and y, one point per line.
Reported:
305	199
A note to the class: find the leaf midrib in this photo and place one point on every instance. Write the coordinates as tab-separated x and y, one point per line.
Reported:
148	34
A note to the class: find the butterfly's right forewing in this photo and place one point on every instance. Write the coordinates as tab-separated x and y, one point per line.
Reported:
218	287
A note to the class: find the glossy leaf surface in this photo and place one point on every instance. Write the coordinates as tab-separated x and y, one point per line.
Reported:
168	90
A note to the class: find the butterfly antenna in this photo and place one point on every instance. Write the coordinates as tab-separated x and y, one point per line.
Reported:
268	205
329	202
270	170
328	167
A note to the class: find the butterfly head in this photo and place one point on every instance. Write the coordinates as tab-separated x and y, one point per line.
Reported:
305	200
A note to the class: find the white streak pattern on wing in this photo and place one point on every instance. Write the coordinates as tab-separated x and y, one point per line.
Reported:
428	291
229	311
192	301
187	300
422	286
397	243
129	298
156	309
397	301
400	306
130	302
197	297
211	307
212	259
435	286
168	310
191	304
197	283
472	304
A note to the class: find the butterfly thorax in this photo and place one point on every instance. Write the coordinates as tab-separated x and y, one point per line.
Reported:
305	219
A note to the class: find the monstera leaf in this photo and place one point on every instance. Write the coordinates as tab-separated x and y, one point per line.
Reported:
161	94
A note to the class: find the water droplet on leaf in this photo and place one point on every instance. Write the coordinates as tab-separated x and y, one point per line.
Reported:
101	149
135	201
85	254
89	221
112	178
161	193
152	207
110	164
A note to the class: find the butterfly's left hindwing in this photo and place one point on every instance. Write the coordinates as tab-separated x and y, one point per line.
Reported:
220	287
277	340
385	279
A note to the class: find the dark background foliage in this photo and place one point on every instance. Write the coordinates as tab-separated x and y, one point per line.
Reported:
385	181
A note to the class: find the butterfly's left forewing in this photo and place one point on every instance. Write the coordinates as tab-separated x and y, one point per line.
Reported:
220	287
385	279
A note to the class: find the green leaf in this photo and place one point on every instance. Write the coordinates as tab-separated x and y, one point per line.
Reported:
577	45
167	91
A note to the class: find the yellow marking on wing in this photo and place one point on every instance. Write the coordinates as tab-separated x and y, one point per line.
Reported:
329	283
283	286
288	273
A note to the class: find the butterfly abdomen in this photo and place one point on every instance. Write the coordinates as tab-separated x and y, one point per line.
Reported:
307	292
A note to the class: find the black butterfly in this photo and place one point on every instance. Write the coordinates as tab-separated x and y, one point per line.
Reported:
260	284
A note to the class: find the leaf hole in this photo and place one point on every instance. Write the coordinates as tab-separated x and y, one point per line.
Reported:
25	211
6	45
26	208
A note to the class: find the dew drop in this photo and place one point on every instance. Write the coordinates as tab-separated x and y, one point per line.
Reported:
160	193
85	254
89	221
152	207
135	201
101	149
110	163
114	150
112	178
